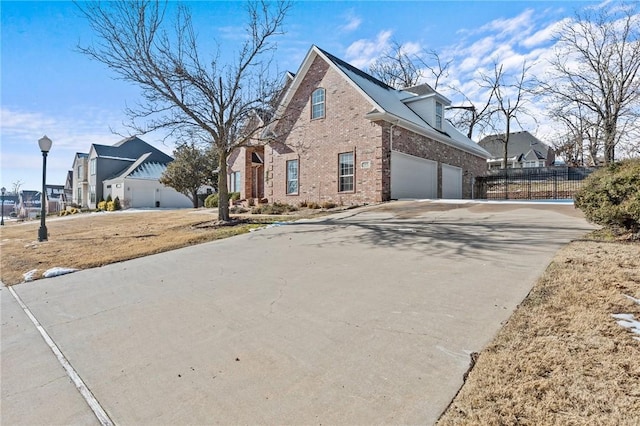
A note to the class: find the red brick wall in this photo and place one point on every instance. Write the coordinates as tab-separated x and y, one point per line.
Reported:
421	146
317	143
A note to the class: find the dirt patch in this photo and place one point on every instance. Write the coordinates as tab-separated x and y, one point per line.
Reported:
562	358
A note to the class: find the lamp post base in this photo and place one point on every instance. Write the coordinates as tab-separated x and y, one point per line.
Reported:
42	234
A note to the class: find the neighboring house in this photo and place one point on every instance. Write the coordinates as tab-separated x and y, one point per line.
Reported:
68	189
139	186
80	183
523	150
109	162
55	198
345	137
29	203
11	203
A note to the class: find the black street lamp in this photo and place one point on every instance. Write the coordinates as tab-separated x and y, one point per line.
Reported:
45	145
3	190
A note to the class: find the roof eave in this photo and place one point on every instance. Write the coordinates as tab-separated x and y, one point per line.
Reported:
424	131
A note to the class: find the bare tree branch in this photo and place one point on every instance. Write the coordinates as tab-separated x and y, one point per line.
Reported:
181	92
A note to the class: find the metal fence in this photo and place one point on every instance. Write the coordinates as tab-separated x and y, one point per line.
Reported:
540	183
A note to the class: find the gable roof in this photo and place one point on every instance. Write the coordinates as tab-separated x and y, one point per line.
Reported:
521	145
142	168
387	104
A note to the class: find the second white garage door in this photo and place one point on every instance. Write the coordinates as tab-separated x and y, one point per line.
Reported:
413	177
451	182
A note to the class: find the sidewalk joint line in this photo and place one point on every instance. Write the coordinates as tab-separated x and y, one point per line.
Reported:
95	406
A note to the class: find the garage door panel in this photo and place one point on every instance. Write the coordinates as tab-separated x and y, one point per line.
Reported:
451	182
413	177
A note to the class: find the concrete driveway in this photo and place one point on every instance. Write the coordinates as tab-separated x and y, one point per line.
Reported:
365	317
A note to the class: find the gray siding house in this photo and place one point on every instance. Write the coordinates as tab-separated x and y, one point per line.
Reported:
104	162
523	150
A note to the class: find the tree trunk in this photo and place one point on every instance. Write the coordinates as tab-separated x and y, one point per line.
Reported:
195	199
223	192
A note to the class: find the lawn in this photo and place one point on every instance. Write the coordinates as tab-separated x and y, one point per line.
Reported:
563	358
89	240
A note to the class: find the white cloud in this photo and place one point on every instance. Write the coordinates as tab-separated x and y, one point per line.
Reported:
363	52
352	24
545	34
521	24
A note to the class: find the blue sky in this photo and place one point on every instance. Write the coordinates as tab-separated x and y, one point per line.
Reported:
47	87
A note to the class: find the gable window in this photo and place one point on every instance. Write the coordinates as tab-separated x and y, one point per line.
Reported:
438	115
345	172
79	201
234	182
92	166
80	172
317	104
292	177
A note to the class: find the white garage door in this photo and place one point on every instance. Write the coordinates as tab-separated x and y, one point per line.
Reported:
451	182
413	177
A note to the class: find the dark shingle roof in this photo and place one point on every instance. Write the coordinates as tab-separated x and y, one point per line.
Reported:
131	149
520	144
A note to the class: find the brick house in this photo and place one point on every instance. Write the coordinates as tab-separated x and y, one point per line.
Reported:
345	137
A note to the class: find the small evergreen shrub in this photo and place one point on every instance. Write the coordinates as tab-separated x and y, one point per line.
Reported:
313	205
102	206
116	204
611	196
234	196
109	198
211	201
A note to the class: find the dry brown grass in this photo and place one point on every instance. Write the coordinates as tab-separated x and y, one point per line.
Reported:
90	240
562	359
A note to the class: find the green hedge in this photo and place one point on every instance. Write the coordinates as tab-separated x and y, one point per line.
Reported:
611	196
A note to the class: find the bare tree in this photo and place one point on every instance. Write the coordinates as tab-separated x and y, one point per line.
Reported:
596	67
509	101
16	186
470	116
182	92
400	69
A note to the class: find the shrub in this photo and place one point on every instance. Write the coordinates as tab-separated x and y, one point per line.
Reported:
611	196
211	201
275	208
116	203
111	206
313	205
102	205
234	196
303	203
328	205
109	198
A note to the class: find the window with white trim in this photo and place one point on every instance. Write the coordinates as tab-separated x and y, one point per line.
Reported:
292	177
234	182
346	172
317	104
438	115
92	166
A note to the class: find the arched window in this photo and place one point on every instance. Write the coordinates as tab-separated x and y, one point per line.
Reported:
317	104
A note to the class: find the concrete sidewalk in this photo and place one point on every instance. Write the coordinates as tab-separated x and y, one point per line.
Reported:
367	317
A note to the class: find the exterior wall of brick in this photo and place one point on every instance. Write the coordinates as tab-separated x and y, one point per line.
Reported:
252	174
317	143
421	146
